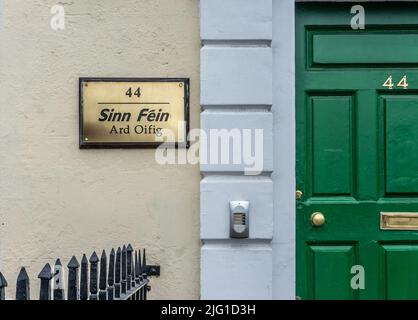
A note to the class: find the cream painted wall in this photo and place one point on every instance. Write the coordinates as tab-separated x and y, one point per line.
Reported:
59	201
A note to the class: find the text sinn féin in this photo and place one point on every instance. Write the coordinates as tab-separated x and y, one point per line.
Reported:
146	114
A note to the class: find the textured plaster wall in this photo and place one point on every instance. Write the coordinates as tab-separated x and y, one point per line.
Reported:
59	201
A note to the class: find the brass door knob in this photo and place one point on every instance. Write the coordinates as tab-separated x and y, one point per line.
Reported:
317	219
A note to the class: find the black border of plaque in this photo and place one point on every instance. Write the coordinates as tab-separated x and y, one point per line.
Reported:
104	145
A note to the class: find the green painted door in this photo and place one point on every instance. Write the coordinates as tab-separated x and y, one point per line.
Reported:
357	151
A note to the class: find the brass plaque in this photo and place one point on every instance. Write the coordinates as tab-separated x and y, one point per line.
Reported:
133	112
399	220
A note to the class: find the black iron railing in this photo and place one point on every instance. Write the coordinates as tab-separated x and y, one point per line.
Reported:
124	277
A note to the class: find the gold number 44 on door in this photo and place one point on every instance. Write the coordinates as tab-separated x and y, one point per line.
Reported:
403	83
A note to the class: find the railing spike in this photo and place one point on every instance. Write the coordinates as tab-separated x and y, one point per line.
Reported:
84	278
58	281
103	276
124	269
137	268
139	263
3	281
45	275
46	272
73	263
94	259
3	285
22	285
73	266
129	250
136	278
118	270
141	278
111	276
133	283
144	274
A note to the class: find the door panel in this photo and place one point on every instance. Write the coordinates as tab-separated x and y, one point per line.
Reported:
357	149
401	262
401	137
332	142
365	48
331	271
